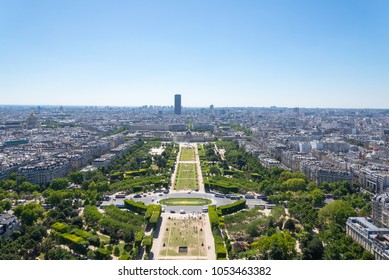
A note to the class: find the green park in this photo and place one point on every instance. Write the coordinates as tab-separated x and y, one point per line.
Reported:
187	154
187	201
186	177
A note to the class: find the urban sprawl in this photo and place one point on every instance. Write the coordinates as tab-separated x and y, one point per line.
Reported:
170	182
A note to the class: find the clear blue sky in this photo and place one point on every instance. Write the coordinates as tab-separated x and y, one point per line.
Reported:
318	53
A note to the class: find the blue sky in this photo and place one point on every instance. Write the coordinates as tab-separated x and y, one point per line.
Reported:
318	53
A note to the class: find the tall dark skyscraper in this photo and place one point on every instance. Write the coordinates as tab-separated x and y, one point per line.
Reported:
177	104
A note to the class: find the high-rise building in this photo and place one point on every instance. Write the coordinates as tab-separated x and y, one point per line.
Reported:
177	104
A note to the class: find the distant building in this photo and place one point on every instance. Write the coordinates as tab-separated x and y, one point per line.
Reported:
32	121
371	238
374	179
305	147
177	104
104	160
15	142
270	163
8	224
319	172
44	172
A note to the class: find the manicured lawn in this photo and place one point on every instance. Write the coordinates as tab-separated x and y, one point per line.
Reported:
186	177
187	154
184	232
190	201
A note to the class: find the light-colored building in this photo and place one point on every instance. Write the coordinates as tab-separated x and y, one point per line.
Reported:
370	237
319	172
8	224
380	209
374	179
104	160
43	173
305	147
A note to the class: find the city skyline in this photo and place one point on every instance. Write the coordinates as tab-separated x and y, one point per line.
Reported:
247	54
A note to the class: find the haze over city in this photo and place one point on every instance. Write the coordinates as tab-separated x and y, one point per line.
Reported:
227	53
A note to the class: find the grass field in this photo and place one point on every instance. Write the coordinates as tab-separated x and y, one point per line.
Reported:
186	177
187	154
190	201
184	232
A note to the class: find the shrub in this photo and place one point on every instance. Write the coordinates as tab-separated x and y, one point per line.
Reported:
76	243
220	249
137	207
233	207
148	242
213	216
60	227
139	237
91	238
157	210
102	254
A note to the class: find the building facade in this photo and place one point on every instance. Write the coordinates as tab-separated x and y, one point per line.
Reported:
8	224
380	209
371	238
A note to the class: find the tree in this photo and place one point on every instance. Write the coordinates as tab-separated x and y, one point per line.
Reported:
25	187
76	177
36	235
28	217
6	205
54	198
278	213
92	186
59	184
77	221
314	250
214	170
336	214
102	254
295	184
279	246
102	186
289	225
8	184
317	197
116	251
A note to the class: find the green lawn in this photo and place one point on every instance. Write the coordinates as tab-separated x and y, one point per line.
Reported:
184	232
187	154
189	201
186	177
